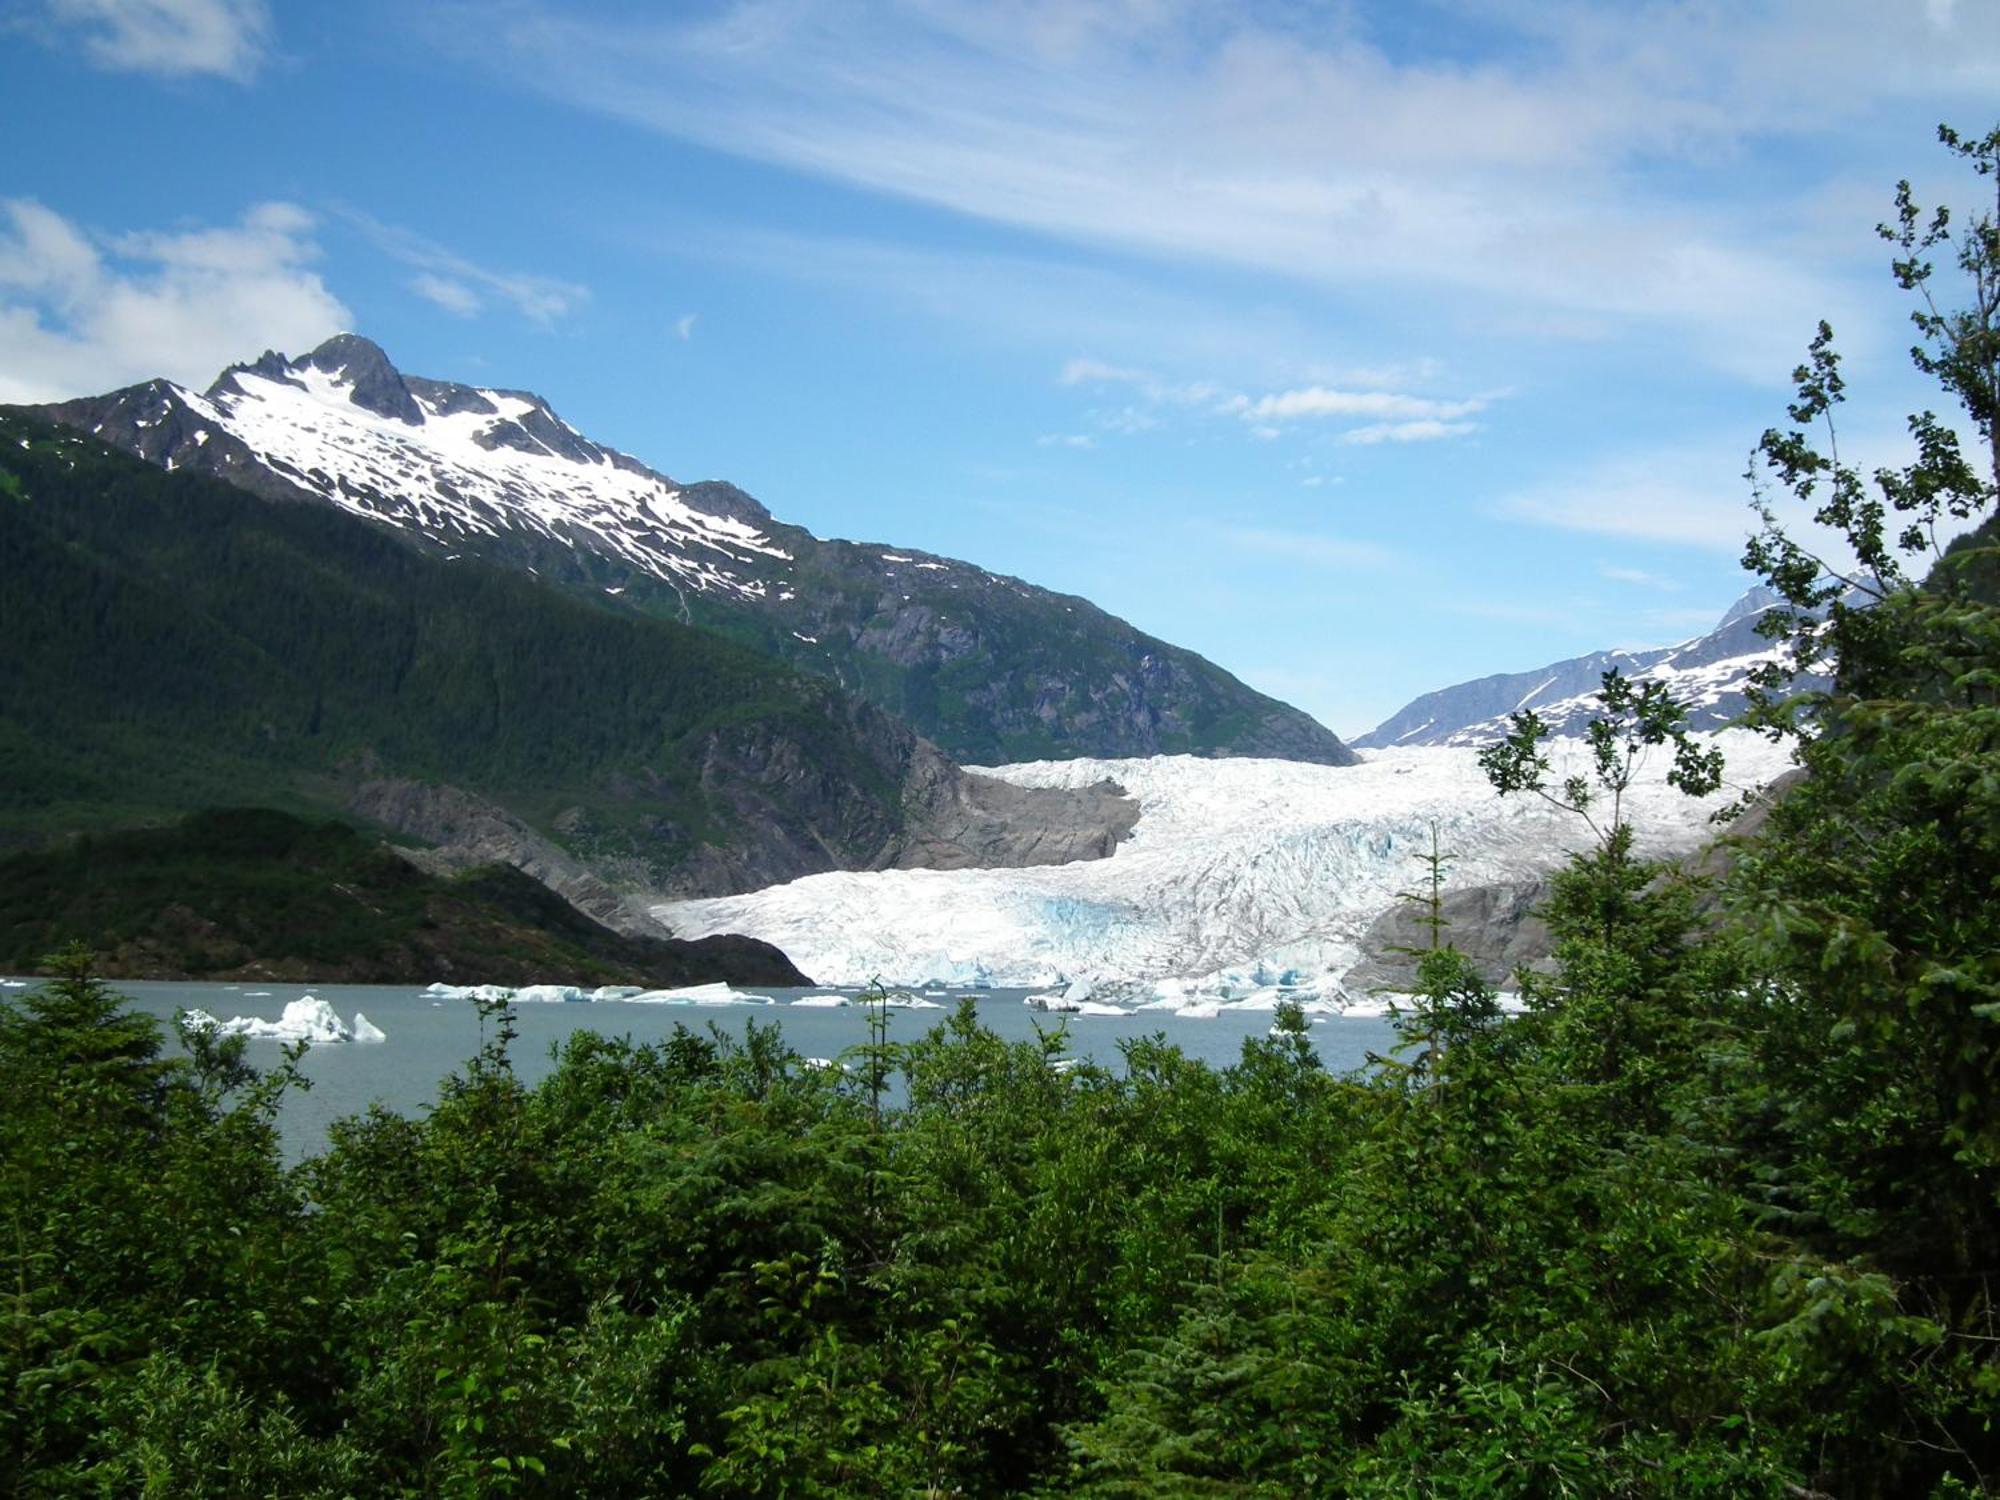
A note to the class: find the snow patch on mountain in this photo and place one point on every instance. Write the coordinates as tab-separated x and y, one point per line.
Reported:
1256	868
454	459
1708	674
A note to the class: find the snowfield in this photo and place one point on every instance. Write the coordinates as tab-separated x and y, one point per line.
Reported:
1240	874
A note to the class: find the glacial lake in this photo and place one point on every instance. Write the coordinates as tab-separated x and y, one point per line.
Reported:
428	1039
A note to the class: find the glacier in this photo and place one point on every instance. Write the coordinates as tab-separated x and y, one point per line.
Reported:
1243	881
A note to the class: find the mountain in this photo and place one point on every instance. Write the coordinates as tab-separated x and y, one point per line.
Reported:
1707	673
989	668
245	893
173	643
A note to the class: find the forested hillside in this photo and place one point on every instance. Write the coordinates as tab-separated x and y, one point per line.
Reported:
253	893
174	643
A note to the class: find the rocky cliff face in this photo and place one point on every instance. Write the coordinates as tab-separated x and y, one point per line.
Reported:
988	667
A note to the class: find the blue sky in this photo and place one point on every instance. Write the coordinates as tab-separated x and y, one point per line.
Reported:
1363	347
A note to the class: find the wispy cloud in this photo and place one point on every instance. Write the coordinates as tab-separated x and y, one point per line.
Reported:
171	38
1310	148
1065	440
1319	401
1401	417
1680	497
1311	548
453	296
684	326
1638	577
1422	430
460	285
83	312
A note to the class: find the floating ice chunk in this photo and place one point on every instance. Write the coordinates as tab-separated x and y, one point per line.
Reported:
1375	1005
1098	1008
1199	1010
1053	1000
366	1030
911	1002
307	1019
821	1002
686	994
547	994
467	992
616	992
697	994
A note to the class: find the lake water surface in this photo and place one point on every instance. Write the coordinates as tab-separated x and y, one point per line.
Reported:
428	1039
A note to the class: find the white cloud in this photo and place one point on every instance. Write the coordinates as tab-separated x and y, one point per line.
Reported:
684	326
1066	440
227	38
453	296
1302	145
1319	401
1403	418
1097	372
1423	430
539	299
81	314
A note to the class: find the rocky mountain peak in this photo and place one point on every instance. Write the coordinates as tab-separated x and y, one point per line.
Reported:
374	383
1755	602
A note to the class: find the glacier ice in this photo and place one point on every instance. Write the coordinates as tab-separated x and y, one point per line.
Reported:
1244	880
366	1030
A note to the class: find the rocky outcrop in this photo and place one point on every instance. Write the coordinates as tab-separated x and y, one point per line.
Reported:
1493	925
464	832
968	821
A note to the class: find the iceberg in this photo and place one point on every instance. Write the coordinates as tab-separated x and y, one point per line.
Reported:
366	1030
307	1019
697	994
547	994
821	1002
615	992
466	992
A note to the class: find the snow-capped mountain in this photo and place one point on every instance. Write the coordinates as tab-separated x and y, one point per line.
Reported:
1707	673
1236	873
986	666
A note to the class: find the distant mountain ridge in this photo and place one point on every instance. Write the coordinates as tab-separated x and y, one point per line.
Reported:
988	667
1708	673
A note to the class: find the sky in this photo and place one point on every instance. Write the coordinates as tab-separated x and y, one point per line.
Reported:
1362	347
